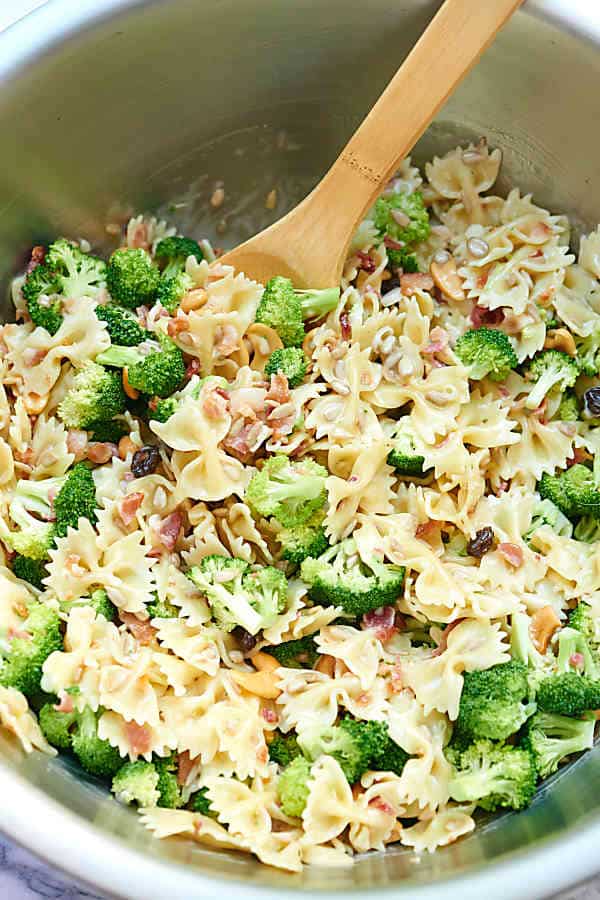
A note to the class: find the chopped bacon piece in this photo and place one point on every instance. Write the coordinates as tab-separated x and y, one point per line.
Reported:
177	325
415	281
426	529
138	239
38	255
192	368
438	341
366	262
185	764
270	716
142	631
511	553
215	403
576	660
139	737
345	326
279	390
382	621
169	530
32	357
77	443
580	455
396	679
391	244
65	704
443	644
480	316
382	805
129	506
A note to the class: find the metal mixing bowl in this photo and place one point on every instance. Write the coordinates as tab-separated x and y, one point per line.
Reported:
108	106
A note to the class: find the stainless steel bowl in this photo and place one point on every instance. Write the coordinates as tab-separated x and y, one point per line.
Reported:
115	105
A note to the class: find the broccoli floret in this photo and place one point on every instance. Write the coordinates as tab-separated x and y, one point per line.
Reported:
551	370
569	409
300	541
522	649
96	396
486	353
162	609
199	803
582	619
587	530
292	787
79	274
172	289
75	499
111	431
136	782
172	253
34	538
574	652
32	570
57	726
404	455
122	326
157	373
22	655
285	309
573	491
493	775
34	497
352	754
547	513
96	756
168	786
132	278
494	702
162	410
340	578
568	694
588	353
98	601
402	217
284	748
290	361
550	738
39	290
290	491
401	259
382	753
238	595
299	654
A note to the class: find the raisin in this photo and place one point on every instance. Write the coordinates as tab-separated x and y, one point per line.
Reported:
389	284
479	545
592	401
145	461
246	641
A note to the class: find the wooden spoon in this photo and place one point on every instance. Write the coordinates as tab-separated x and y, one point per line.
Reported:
310	243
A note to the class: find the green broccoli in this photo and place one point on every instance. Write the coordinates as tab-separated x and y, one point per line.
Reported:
403	217
573	491
404	455
96	756
384	754
32	570
550	738
132	278
110	431
34	497
172	253
545	512
172	289
486	353
569	409
356	745
34	538
162	609
157	373
568	694
137	782
57	726
79	274
551	370
284	748
240	595
493	775
574	652
582	619
300	541
98	601
299	654
97	396
285	309
122	326
588	353
168	786
39	291
162	410
292	492
402	259
76	499
23	654
494	702
587	530
199	803
291	362
340	578
292	787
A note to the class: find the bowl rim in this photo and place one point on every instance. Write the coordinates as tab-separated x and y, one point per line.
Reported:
27	810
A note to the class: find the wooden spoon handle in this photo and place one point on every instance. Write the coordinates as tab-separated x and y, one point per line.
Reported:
446	51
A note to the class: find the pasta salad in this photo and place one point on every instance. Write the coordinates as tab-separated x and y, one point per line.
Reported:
309	573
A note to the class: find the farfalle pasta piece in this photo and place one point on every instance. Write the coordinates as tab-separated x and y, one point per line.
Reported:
309	698
446	827
330	805
366	488
158	740
361	651
542	447
195	645
464	174
589	252
17	718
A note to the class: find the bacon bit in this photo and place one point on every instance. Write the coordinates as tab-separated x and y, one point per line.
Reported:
415	281
540	231
391	244
480	316
382	621
238	445
176	326
24	456
100	452
226	340
279	390
382	805
544	622
366	262
426	529
65	704
32	357
38	255
580	455
502	488
262	756
192	368
443	644
438	341
576	660
16	634
142	631
185	764
512	553
215	403
139	237
169	530
270	716
396	679
345	326
139	737
77	443
129	506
